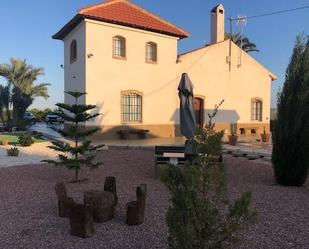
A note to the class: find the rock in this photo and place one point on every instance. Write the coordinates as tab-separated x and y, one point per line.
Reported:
102	204
110	186
267	159
224	151
236	154
253	157
136	209
81	220
64	202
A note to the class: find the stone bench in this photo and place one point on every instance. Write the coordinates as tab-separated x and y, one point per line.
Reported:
125	133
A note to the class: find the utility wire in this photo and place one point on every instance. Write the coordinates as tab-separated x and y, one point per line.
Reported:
270	13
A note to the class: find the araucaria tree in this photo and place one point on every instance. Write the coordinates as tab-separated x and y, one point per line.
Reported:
201	216
290	136
20	90
80	152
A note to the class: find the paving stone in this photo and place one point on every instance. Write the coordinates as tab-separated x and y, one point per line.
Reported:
253	157
236	154
267	159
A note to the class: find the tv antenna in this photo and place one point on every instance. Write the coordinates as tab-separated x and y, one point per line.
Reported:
241	21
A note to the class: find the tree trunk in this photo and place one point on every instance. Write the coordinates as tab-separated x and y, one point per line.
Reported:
76	175
81	221
101	203
110	186
1	116
136	209
64	202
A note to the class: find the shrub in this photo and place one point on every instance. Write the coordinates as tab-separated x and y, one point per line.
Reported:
201	216
290	155
40	114
25	140
13	152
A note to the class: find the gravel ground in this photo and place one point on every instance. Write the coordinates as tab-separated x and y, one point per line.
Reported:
27	155
283	212
28	210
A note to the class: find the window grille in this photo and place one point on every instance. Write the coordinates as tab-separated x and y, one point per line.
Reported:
151	52
131	107
119	47
256	110
73	51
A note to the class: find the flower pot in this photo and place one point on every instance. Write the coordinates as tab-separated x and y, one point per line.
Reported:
233	139
265	137
5	142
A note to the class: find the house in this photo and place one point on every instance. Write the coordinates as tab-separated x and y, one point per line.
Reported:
126	59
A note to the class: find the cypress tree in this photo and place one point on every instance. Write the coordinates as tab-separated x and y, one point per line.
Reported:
80	152
290	154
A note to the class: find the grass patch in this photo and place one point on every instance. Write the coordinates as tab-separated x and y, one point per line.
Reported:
13	139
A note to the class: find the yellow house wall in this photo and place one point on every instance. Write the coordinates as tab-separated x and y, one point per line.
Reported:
75	73
209	71
106	77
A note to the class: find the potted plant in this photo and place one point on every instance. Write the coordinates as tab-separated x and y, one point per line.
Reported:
265	136
5	141
233	138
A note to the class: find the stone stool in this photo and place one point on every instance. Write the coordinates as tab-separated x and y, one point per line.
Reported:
101	203
64	202
136	209
81	220
110	186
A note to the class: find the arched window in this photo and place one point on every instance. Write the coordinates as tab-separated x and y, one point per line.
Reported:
119	47
151	52
131	107
256	109
73	51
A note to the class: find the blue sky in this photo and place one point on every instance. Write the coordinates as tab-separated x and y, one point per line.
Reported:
27	27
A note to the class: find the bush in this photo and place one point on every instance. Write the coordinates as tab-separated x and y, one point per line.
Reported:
290	155
40	114
14	152
25	140
201	216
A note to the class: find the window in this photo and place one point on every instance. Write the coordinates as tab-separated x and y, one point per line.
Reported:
151	52
256	109
73	51
131	107
119	47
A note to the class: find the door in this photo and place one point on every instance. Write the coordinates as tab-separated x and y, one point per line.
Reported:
199	111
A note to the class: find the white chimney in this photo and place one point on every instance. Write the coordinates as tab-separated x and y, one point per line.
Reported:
217	24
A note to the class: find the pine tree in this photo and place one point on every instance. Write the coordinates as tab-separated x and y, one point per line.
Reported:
201	215
81	152
290	155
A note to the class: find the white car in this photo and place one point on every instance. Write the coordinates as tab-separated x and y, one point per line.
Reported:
53	118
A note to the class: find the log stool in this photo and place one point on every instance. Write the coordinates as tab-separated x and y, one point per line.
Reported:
64	202
81	220
136	209
110	186
101	203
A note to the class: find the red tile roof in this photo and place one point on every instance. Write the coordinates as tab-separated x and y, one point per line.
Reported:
123	12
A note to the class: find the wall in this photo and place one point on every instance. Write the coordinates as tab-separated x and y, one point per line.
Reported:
208	69
74	73
106	77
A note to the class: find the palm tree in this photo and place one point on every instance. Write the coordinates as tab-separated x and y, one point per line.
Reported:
20	83
4	103
243	42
